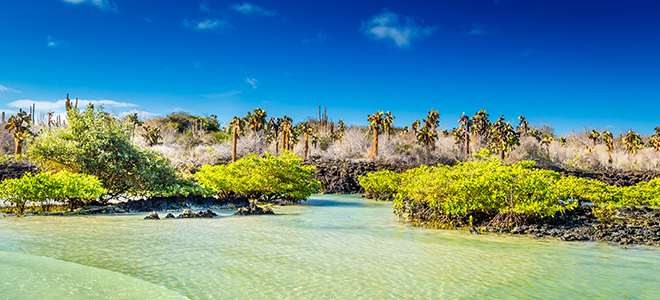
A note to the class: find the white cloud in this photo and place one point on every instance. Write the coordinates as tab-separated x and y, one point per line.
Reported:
54	43
101	4
477	30
398	28
249	8
143	115
205	7
8	89
252	81
59	105
208	24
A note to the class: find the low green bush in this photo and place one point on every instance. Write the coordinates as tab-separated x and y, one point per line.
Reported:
266	178
45	188
512	194
381	184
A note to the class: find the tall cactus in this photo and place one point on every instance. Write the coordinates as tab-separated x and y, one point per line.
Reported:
19	126
236	125
608	139
633	142
466	126
376	122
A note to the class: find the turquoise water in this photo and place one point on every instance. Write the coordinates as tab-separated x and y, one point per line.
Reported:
332	247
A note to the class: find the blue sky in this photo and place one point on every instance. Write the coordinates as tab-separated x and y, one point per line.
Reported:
570	64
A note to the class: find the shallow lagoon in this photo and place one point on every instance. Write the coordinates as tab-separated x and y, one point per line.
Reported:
335	247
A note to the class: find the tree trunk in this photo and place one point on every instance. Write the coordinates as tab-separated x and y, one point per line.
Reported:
375	142
233	147
547	150
502	155
609	156
306	144
467	143
18	148
277	144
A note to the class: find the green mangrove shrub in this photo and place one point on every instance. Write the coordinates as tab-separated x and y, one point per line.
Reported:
380	185
266	178
510	195
97	144
45	188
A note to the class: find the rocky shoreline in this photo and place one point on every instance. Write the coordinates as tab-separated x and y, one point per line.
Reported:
166	204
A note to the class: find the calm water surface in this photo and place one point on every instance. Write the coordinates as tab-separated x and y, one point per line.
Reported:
332	247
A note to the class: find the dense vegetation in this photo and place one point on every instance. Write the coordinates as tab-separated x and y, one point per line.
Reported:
95	143
266	178
45	188
509	194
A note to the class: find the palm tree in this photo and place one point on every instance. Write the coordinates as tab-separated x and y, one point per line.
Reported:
377	122
608	139
20	125
237	125
633	142
594	135
546	142
655	139
388	120
503	137
466	125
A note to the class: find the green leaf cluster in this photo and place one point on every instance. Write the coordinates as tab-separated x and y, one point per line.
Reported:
45	188
381	184
493	188
97	144
266	178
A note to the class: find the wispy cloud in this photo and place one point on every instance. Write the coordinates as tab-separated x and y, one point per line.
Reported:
231	95
101	4
252	81
55	43
478	30
148	20
206	25
8	89
205	7
400	29
252	9
321	36
60	104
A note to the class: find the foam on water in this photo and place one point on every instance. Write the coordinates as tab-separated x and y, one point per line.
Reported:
337	247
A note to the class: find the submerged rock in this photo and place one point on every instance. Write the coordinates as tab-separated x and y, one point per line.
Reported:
170	216
474	230
152	216
187	213
253	209
206	214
